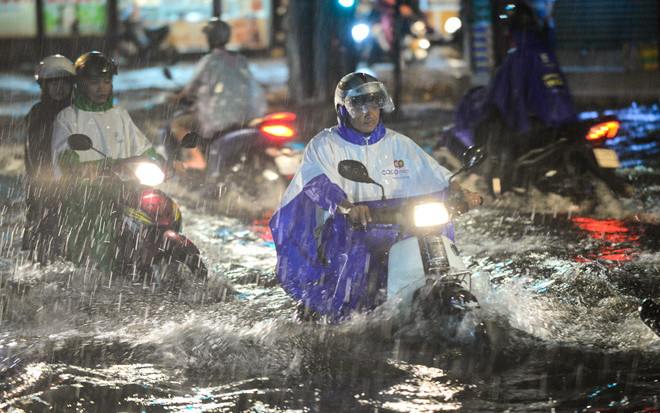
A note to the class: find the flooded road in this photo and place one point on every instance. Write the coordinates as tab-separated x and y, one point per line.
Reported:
559	296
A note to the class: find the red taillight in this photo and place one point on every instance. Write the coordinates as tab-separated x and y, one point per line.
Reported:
279	126
607	130
280	117
278	131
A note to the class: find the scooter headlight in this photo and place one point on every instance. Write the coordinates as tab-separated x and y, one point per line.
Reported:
149	174
430	214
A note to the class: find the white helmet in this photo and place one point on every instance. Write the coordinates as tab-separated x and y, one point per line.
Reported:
54	66
357	89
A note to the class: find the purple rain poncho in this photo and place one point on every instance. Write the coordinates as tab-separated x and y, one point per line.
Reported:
529	82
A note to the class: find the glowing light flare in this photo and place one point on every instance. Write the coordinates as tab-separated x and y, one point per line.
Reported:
452	25
278	126
346	3
424	43
606	129
278	132
149	174
359	32
431	214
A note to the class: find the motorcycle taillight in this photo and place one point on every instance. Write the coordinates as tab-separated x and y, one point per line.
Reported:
603	130
278	127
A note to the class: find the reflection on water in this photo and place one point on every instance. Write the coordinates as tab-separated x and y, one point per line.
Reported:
615	240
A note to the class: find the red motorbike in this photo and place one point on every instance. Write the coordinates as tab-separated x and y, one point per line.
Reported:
148	229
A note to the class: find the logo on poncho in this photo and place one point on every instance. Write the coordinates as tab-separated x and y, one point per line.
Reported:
398	171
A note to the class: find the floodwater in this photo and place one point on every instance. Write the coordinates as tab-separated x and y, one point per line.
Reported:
559	296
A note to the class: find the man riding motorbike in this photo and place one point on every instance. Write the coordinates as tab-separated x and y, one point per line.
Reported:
526	95
222	93
323	263
55	77
88	203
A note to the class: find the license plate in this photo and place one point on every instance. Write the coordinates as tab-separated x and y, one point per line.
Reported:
606	158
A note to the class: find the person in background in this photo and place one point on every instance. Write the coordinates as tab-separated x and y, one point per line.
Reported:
543	10
323	263
222	93
55	76
526	95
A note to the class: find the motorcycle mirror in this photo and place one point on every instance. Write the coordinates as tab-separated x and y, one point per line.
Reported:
354	171
80	142
473	156
191	140
357	172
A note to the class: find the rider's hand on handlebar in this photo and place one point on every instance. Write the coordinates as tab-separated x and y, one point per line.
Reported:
357	213
473	199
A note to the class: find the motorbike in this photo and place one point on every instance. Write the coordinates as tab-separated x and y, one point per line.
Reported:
148	228
137	44
248	166
567	160
426	276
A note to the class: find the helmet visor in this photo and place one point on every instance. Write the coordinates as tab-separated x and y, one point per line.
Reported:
366	97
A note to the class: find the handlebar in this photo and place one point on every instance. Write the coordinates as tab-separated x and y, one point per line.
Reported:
130	169
402	215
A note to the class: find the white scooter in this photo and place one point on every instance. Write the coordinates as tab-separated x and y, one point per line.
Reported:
426	276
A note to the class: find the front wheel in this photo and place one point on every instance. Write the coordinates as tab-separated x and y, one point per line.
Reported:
168	272
178	260
453	309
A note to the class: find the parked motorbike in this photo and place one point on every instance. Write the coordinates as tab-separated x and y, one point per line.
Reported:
566	160
137	44
148	229
426	276
248	167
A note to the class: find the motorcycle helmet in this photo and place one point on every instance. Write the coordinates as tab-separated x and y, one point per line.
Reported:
357	89
54	66
519	16
95	64
217	32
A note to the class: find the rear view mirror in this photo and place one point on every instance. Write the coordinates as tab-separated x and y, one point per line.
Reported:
79	142
191	140
354	171
473	156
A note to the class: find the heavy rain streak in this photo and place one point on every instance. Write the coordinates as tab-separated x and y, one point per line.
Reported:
558	290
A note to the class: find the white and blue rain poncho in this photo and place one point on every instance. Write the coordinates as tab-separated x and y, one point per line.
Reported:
322	261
